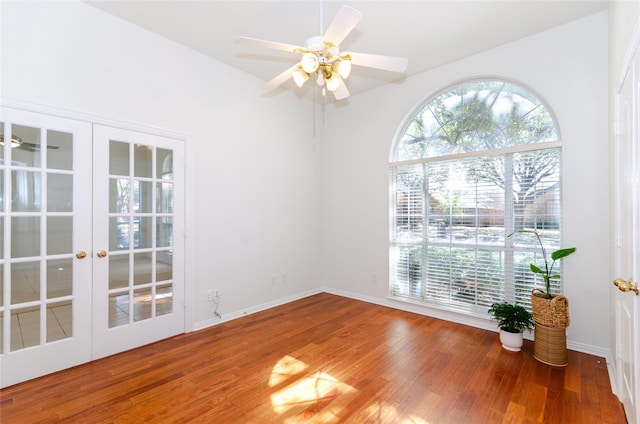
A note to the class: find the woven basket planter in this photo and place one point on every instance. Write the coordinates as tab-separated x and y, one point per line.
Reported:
550	345
550	312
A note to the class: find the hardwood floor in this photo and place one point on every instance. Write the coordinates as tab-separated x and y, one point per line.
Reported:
322	359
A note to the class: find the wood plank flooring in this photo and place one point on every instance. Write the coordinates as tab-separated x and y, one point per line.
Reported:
322	359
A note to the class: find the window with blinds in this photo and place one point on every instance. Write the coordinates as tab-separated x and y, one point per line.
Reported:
479	161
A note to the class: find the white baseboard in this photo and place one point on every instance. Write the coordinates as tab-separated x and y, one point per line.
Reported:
252	310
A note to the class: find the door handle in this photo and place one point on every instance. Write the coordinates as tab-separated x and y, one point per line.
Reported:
626	285
81	254
102	253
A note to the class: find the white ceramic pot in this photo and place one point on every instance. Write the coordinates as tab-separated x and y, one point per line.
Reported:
511	341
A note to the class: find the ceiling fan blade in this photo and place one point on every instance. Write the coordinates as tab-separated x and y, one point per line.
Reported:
270	44
342	92
35	146
387	63
343	23
270	85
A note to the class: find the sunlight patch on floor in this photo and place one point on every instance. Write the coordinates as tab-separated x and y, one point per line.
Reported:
387	413
308	394
286	368
305	395
309	390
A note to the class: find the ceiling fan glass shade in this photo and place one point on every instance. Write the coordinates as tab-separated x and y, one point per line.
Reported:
333	82
300	77
15	141
343	67
309	63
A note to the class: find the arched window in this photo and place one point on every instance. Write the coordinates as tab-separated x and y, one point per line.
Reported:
478	161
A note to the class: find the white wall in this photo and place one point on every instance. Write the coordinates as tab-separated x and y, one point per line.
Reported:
566	66
253	167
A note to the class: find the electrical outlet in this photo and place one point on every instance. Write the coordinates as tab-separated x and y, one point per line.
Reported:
209	295
216	293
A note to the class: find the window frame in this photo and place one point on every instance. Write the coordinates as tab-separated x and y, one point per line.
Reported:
509	244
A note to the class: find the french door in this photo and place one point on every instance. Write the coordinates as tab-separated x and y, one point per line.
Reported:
138	269
91	259
627	241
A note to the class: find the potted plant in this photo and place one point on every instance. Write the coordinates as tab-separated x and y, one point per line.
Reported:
550	311
548	308
512	320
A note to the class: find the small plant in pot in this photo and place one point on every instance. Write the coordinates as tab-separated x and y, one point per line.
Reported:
512	320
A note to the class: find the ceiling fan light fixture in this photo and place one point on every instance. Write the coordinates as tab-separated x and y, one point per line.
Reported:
343	67
309	63
300	77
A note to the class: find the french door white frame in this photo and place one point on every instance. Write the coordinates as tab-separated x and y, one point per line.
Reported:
107	338
188	182
25	363
626	213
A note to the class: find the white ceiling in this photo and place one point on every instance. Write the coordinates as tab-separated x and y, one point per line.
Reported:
429	33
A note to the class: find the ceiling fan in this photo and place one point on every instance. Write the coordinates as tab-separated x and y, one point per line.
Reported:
321	56
17	142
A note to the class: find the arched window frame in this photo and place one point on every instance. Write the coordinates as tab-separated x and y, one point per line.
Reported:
450	272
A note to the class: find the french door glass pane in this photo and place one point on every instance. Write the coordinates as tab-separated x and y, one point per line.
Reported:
28	152
59	278
164	231
59	235
118	309
59	193
118	271
142	197
164	299
142	268
25	189
59	324
143	161
164	165
164	197
142	304
164	266
119	233
25	236
59	150
25	328
119	192
118	158
140	232
143	232
25	282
